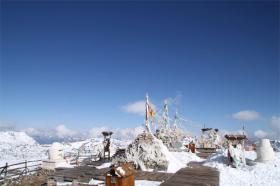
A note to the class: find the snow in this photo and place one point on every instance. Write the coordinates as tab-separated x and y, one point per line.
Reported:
16	138
121	171
101	183
186	157
146	183
96	182
18	146
104	165
259	174
173	164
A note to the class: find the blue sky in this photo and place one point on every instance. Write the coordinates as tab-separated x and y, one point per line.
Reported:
80	63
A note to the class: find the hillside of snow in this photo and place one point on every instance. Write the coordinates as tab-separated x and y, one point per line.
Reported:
18	146
16	138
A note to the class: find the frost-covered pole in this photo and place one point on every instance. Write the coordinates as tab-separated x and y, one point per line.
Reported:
243	146
175	120
147	125
165	114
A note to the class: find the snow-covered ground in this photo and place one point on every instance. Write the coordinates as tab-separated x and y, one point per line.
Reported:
18	146
259	174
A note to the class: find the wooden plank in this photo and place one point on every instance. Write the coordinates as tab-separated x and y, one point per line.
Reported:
198	175
86	173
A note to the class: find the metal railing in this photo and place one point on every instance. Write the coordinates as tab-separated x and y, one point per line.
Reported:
18	170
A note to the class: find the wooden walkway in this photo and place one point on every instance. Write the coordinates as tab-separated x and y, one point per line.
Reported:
195	175
204	155
86	173
81	174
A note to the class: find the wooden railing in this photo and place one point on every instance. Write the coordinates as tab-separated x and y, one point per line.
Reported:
18	170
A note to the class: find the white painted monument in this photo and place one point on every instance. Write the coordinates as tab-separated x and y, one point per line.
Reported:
56	157
264	151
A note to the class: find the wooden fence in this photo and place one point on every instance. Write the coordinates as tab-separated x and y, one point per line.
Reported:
18	170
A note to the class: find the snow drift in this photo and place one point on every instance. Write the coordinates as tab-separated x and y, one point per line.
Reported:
258	174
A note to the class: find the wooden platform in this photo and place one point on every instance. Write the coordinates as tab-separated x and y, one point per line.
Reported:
194	176
204	155
81	174
86	173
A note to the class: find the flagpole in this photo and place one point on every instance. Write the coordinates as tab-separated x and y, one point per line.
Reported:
147	113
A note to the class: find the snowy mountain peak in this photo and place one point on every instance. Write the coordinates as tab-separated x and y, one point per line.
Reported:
16	138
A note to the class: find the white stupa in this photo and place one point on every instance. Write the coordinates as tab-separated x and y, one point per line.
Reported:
56	157
264	151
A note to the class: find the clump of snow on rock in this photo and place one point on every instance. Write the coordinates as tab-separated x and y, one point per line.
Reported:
275	145
149	153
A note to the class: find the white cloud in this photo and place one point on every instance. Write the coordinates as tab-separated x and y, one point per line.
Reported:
235	132
97	132
137	107
126	133
275	124
174	101
62	131
246	115
260	134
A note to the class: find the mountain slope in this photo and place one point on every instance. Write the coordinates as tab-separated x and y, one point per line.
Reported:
18	146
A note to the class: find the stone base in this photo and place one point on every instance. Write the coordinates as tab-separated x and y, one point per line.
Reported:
48	165
51	165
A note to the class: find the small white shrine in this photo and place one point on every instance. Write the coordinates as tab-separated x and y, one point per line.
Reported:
56	157
264	151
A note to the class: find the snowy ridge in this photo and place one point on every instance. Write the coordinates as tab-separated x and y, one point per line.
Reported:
18	146
16	138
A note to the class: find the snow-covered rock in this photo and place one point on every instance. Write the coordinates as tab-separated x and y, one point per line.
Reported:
149	153
275	145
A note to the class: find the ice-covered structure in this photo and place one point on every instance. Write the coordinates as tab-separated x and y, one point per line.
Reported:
236	149
168	132
210	138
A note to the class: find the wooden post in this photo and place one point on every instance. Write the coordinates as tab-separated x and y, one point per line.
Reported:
6	169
